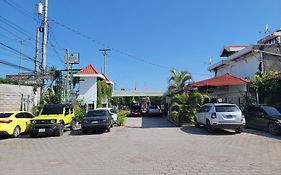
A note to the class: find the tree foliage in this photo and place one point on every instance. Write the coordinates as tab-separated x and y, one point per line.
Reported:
178	80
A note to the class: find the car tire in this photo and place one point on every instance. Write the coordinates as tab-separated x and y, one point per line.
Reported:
60	130
197	125
209	127
16	132
239	130
33	134
108	129
272	128
73	125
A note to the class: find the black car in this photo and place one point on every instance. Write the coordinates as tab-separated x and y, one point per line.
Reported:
97	120
135	110
263	117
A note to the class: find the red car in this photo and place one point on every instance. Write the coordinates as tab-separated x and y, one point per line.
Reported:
136	110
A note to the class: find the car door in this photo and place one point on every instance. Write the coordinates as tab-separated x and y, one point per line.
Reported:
114	115
200	116
20	121
261	121
249	114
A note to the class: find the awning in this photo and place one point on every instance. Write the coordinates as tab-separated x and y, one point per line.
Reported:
224	80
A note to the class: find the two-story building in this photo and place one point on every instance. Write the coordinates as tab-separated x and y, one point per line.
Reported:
88	91
239	63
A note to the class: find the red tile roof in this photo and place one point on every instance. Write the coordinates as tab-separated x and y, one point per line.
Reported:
88	70
223	80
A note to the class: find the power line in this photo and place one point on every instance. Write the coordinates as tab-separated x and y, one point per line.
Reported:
20	9
15	27
14	65
18	52
104	45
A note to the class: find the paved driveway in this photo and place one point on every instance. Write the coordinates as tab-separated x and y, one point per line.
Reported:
145	146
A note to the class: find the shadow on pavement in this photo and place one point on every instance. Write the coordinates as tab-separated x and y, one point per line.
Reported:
203	131
262	133
150	122
4	137
78	132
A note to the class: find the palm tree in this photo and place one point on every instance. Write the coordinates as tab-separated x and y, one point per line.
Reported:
184	106
178	80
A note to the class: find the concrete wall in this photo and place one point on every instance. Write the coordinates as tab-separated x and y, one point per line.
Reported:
245	67
88	90
15	97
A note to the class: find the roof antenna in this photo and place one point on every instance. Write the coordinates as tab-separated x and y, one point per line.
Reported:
266	30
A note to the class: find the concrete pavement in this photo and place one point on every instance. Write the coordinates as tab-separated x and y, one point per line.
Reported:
144	146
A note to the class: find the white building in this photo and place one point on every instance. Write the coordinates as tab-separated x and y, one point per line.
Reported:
88	78
246	61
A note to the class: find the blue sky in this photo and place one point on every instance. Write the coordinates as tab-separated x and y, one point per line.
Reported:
156	34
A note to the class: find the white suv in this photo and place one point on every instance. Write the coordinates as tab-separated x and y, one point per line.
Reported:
220	115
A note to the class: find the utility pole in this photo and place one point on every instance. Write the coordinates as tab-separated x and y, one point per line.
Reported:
104	52
44	40
67	75
36	61
21	42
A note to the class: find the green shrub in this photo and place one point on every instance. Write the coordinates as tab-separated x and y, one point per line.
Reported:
79	111
121	118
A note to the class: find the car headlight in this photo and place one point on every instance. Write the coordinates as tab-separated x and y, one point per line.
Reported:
33	121
279	121
53	121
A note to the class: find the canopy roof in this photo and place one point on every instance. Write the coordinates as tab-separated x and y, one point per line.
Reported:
224	80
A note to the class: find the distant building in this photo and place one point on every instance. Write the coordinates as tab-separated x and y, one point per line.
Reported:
246	61
88	91
239	63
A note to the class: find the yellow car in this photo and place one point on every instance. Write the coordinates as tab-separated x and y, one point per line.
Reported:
14	123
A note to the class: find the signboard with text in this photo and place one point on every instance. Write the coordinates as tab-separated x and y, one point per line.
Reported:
73	58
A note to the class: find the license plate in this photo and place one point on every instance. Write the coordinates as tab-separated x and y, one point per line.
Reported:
41	130
229	116
95	122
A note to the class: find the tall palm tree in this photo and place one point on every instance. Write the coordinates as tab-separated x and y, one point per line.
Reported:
178	80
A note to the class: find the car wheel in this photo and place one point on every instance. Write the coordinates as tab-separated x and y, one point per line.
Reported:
272	128
73	125
209	127
197	125
239	130
16	132
33	134
108	129
60	130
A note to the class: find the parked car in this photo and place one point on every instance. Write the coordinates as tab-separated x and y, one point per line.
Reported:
136	110
112	112
14	123
221	116
263	117
153	110
99	119
53	119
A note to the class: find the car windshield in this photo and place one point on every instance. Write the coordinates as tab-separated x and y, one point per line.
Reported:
271	111
136	107
153	107
226	108
96	113
52	110
5	115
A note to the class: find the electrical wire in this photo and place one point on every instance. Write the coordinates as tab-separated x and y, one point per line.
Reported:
104	45
14	65
17	52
